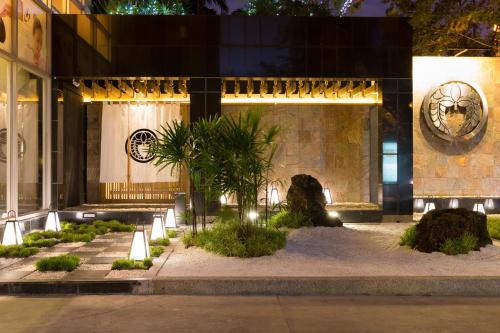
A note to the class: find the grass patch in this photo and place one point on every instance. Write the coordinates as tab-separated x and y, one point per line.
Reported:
494	227
122	264
234	240
60	263
171	233
160	242
17	251
462	245
113	226
288	219
156	251
409	237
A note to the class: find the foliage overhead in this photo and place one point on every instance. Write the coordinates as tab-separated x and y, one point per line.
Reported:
157	7
444	27
301	7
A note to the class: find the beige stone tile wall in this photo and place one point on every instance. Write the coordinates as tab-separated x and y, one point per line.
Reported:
474	171
331	143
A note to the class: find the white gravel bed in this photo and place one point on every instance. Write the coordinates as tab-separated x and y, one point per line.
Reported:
353	250
128	274
94	267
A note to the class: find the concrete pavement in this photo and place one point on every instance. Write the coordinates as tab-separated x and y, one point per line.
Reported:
248	314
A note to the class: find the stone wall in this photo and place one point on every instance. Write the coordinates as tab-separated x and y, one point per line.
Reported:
331	143
468	170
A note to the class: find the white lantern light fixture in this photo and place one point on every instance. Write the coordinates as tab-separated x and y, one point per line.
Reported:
274	199
429	206
419	203
170	219
158	229
12	233
328	196
333	214
453	203
479	207
253	215
489	204
139	250
52	222
223	200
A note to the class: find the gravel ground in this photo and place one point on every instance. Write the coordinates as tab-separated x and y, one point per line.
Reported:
354	250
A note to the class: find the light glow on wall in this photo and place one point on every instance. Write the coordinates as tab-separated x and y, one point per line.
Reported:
306	100
333	214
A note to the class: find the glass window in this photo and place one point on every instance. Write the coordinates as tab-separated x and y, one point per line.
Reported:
32	34
4	66
390	162
30	143
5	25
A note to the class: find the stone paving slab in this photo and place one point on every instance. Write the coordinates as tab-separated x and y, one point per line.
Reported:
101	260
86	275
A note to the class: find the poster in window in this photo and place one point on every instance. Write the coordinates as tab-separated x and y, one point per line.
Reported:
5	24
32	34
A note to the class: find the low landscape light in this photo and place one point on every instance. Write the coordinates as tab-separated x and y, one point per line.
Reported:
52	222
253	215
223	200
453	203
489	204
328	196
479	207
429	206
158	229
170	219
333	214
419	203
275	199
139	250
12	233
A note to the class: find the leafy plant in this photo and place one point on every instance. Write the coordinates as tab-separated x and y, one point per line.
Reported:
123	264
60	263
409	237
171	233
17	251
462	245
160	242
233	239
156	251
289	219
113	226
494	227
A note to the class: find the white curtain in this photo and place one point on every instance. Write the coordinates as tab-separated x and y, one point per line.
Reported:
119	122
27	120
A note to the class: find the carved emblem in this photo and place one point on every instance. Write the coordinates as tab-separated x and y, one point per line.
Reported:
455	111
139	143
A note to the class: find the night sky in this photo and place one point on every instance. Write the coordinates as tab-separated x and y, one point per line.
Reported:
369	7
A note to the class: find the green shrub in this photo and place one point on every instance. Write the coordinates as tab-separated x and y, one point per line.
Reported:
17	251
160	241
234	240
409	237
49	242
156	251
494	227
60	263
38	235
171	233
70	237
113	226
188	239
462	245
122	264
289	219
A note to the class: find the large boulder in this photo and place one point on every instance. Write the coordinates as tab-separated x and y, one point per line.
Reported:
437	226
305	196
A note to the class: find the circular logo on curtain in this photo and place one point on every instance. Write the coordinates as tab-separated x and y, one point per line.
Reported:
455	111
139	143
21	145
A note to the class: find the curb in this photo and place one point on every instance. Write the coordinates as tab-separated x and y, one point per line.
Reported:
276	286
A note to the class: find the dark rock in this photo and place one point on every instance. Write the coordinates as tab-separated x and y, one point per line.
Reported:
437	226
305	195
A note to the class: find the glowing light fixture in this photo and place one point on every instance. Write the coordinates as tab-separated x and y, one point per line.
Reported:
298	100
274	199
170	219
52	222
419	203
253	215
453	203
158	229
12	232
429	206
489	204
139	250
479	207
333	214
328	195
223	200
